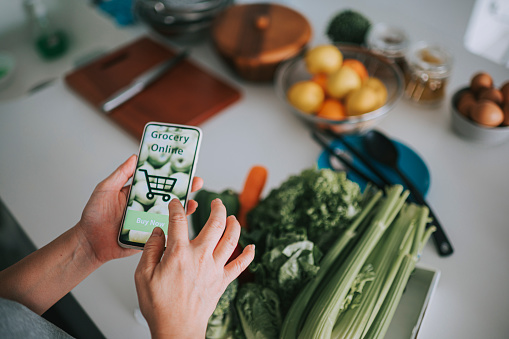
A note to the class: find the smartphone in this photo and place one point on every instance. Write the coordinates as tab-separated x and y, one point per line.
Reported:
165	170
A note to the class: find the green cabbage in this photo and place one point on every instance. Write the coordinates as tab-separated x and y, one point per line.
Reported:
316	203
258	311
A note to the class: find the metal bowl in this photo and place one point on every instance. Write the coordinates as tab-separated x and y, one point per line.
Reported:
388	72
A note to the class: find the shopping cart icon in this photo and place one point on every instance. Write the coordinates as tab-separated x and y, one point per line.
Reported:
159	186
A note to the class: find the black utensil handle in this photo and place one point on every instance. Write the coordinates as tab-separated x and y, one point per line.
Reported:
442	242
343	160
361	157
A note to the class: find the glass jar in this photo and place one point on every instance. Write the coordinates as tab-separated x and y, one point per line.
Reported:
389	41
429	68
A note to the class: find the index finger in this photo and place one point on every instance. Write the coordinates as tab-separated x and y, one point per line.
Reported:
197	184
214	227
177	223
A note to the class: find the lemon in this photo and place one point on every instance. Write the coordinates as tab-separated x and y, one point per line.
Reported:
362	100
379	88
342	82
323	59
306	96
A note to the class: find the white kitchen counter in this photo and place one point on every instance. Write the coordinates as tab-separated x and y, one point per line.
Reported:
54	148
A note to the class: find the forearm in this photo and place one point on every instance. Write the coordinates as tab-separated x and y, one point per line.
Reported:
39	280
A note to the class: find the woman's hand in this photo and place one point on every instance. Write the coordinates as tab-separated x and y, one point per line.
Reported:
100	221
178	293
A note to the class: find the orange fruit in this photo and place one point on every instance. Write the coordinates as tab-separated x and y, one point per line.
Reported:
320	79
332	109
358	67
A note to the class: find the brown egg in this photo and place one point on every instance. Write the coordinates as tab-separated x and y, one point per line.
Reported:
465	103
505	109
479	81
505	91
491	94
487	113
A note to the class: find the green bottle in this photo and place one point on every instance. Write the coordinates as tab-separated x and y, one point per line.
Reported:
49	43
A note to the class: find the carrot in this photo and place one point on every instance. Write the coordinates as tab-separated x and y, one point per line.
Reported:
251	193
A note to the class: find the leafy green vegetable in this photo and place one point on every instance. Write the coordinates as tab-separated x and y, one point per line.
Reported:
220	322
287	266
229	198
337	253
315	203
258	310
348	26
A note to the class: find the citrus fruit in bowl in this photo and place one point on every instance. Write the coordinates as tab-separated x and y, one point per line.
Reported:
344	88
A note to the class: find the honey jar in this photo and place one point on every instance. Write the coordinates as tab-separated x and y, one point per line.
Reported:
429	69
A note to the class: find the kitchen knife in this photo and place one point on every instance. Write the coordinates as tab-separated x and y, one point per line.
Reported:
141	82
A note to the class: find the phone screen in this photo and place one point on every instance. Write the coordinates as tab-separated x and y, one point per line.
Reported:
166	164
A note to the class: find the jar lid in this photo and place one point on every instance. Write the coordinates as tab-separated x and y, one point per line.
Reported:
388	40
260	33
430	58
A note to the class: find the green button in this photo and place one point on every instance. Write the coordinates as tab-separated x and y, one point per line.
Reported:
145	222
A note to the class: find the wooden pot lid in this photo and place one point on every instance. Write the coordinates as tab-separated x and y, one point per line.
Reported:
260	33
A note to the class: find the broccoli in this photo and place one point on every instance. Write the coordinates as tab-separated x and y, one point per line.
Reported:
220	321
348	26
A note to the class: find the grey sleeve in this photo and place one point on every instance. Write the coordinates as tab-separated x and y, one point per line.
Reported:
17	321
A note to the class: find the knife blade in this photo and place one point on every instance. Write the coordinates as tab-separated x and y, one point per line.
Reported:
141	82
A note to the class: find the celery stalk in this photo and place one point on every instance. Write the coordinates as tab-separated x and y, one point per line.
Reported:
384	316
326	306
408	217
383	258
292	320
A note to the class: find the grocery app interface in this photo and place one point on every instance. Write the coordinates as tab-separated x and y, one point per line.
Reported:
164	172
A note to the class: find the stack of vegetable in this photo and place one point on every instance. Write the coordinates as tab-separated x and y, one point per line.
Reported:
331	262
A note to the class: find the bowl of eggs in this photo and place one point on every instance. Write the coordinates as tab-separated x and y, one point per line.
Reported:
480	112
343	88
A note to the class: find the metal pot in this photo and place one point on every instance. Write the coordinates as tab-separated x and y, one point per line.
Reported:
180	19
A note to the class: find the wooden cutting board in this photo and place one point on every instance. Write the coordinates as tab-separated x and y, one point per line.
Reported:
186	94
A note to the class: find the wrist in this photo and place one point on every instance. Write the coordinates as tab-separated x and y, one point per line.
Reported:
182	330
85	247
190	333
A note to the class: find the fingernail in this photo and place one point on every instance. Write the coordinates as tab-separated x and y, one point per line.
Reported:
157	232
252	247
